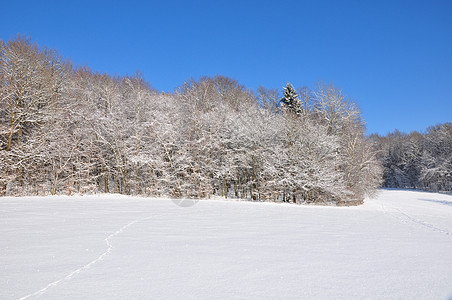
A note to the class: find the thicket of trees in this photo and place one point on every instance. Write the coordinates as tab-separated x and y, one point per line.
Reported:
418	161
66	129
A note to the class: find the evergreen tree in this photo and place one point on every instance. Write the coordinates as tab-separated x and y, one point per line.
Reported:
290	100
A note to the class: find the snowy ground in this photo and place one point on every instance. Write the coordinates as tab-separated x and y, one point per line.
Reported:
114	247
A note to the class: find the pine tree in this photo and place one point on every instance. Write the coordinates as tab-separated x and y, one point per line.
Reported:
290	100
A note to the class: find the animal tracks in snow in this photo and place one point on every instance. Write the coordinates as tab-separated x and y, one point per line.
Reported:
406	218
90	264
422	223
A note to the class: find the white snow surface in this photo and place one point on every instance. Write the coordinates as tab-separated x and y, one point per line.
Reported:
397	246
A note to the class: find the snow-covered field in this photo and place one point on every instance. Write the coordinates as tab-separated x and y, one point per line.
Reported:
115	247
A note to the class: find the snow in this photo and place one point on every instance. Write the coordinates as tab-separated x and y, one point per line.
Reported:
398	245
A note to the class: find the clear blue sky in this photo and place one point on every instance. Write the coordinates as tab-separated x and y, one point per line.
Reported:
392	57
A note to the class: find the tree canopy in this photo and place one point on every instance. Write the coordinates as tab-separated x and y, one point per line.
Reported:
68	129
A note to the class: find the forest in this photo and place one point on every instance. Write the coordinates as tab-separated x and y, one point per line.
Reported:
417	160
67	129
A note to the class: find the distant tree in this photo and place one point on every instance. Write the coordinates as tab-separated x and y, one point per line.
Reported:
335	109
436	163
269	99
416	160
32	81
307	99
290	100
359	163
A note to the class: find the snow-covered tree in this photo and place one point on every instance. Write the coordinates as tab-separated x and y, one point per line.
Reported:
32	81
65	130
290	101
415	160
436	164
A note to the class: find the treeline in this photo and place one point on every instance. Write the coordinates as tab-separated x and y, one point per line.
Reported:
66	129
416	160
